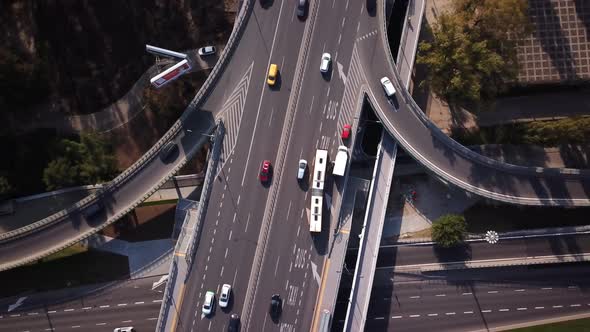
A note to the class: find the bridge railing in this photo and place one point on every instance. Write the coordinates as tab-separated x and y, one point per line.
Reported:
466	152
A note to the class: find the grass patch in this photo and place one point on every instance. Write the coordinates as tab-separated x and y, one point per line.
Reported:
67	252
574	130
578	325
502	218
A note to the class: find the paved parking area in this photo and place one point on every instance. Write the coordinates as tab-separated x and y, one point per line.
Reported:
558	49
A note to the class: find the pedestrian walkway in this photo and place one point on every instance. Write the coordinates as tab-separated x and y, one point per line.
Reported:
146	258
371	235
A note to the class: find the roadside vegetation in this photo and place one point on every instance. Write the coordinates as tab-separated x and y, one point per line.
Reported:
577	325
473	51
449	230
88	160
574	130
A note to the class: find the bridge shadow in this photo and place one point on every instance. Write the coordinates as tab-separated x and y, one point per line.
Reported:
265	4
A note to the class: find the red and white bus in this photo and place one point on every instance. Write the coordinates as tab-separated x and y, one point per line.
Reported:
170	74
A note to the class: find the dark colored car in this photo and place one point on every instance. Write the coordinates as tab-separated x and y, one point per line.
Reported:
301	7
264	171
346	131
276	305
168	150
234	323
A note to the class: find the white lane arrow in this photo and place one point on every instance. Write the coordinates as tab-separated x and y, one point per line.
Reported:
16	304
160	282
314	271
341	71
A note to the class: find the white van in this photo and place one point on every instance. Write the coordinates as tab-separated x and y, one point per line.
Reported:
387	86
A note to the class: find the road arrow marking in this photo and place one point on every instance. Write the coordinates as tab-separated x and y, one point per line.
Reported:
341	71
16	304
314	271
160	282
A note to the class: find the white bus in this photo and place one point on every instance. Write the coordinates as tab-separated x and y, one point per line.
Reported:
317	190
170	74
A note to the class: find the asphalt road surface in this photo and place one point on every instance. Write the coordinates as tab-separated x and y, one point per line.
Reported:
129	303
477	299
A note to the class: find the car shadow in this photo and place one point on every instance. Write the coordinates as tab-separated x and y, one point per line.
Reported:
265	4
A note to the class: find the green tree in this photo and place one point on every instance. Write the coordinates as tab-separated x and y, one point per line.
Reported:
449	230
88	161
473	51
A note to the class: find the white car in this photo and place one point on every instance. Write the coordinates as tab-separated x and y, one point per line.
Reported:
301	169
387	86
207	50
124	329
209	303
224	297
325	64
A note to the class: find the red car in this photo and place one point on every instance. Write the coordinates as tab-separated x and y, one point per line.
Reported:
264	171
346	131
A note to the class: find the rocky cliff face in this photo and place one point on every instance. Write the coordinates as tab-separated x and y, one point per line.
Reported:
78	56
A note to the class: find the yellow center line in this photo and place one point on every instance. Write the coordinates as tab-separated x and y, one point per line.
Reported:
345	231
179	254
318	304
181	295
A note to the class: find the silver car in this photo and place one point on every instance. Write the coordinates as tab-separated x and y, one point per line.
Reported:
387	86
325	64
301	169
207	50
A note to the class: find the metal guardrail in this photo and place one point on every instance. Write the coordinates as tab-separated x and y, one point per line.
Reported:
466	152
187	243
139	164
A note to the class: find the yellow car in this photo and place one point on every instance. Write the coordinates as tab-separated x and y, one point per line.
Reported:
273	71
